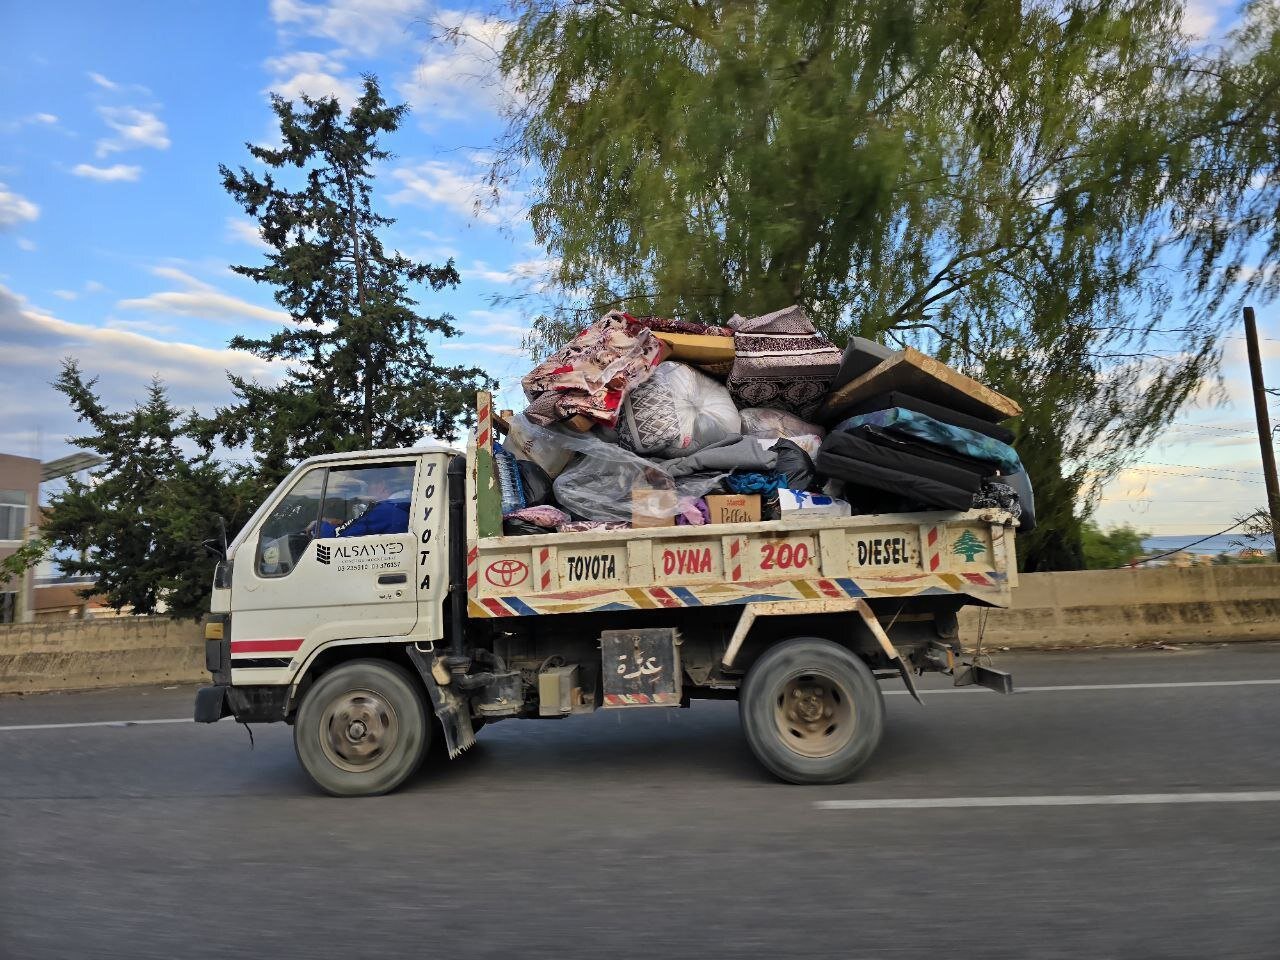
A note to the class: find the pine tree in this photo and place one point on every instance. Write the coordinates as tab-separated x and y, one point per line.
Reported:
138	524
359	369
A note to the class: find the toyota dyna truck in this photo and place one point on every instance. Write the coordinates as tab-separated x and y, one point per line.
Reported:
376	620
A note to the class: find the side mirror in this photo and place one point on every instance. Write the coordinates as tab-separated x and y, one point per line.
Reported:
217	548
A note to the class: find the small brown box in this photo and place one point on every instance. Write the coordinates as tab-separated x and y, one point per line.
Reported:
652	507
734	507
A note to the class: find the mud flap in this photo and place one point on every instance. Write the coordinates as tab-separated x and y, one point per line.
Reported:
451	709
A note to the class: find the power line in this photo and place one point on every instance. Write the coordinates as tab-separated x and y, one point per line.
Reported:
1191	476
1197	466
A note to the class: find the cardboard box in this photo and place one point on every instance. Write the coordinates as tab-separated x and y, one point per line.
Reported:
734	507
653	507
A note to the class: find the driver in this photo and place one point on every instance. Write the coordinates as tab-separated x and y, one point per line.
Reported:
389	512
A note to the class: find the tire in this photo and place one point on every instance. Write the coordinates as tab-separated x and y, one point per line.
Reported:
799	735
362	729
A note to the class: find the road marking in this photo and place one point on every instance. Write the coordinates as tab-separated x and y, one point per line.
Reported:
888	693
1101	686
91	723
1115	799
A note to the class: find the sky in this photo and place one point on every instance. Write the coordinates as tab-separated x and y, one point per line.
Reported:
116	236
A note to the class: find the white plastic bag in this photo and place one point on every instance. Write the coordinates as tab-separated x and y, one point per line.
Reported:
766	423
678	411
529	442
598	484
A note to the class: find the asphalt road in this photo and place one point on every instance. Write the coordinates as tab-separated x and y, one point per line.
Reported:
654	833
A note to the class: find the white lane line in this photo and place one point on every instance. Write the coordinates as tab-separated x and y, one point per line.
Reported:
1101	686
888	693
1116	799
92	723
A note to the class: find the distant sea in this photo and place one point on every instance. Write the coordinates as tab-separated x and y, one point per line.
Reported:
1222	543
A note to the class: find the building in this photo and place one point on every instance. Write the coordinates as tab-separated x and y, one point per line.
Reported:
19	500
45	593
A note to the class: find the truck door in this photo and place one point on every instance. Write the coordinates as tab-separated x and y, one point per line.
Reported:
334	559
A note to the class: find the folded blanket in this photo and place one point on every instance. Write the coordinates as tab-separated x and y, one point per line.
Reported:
592	374
782	362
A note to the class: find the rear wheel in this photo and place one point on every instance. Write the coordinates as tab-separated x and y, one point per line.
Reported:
811	711
362	729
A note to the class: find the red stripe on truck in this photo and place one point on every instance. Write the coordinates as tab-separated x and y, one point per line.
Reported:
265	646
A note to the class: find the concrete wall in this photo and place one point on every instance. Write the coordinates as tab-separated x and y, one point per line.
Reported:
1083	609
83	654
1134	606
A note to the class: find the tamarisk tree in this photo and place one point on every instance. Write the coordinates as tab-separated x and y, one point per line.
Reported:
1010	186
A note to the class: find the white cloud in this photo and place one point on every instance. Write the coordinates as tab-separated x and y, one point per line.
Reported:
246	232
31	120
93	286
134	129
315	74
495	323
103	82
141	326
124	360
463	190
502	349
459	73
199	299
365	26
25	244
111	174
525	271
15	209
66	294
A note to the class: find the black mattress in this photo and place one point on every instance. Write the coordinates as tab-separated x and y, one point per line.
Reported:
871	458
895	398
860	356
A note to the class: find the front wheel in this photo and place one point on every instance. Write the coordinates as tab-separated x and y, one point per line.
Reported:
361	729
811	711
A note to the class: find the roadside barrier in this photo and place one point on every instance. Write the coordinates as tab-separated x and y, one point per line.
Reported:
1086	608
85	654
1133	607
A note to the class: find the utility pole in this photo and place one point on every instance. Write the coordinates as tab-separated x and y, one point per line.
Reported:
1264	426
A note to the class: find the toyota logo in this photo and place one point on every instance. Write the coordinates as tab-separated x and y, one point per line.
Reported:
506	573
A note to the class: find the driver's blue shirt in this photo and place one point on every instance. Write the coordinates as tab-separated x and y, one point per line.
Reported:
385	516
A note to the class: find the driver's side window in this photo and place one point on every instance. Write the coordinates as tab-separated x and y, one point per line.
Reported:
291	526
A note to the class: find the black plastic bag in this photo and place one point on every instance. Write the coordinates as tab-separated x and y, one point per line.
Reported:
796	465
537	484
515	527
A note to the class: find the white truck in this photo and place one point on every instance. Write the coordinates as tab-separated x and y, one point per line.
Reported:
419	620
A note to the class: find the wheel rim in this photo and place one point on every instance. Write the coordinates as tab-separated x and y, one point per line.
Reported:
358	730
814	714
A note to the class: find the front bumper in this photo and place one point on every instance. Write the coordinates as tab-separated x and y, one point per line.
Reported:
256	704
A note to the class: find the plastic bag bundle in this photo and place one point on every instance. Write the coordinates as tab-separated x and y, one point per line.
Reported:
766	423
677	411
529	442
597	484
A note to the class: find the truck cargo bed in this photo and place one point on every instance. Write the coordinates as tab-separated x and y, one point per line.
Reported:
891	555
